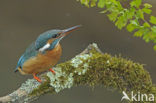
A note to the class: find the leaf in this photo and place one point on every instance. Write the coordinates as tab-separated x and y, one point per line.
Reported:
147	11
146	38
85	2
93	3
140	14
146	5
131	27
154	47
135	22
131	13
104	11
153	29
146	24
132	3
101	3
153	19
113	16
136	3
121	22
119	5
138	33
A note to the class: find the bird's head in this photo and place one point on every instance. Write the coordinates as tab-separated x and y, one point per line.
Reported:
51	38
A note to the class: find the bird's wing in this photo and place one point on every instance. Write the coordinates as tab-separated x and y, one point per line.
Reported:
29	53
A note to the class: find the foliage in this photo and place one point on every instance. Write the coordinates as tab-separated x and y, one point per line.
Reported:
131	14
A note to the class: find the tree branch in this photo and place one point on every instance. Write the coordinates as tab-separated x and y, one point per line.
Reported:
92	68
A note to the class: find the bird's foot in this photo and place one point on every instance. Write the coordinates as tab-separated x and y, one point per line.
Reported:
52	71
37	78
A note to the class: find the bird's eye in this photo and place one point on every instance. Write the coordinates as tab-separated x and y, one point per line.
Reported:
55	35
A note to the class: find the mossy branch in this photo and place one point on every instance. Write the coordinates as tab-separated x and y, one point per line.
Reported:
90	68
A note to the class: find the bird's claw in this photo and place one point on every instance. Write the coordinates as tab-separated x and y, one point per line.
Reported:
52	71
37	78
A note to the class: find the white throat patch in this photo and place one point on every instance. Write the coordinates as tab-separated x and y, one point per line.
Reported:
44	47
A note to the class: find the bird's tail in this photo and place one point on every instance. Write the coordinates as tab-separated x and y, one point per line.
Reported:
16	70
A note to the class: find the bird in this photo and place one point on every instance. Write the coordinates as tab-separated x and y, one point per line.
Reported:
44	53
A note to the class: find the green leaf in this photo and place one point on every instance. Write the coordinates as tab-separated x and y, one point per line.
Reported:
146	38
121	22
146	5
136	3
153	29
135	22
147	11
119	6
146	25
132	3
104	11
138	33
101	3
131	13
93	3
131	27
113	16
154	47
85	2
153	19
140	14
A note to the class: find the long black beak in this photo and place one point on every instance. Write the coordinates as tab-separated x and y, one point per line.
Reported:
66	31
69	30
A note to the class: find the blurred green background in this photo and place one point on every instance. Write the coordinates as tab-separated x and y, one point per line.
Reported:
21	21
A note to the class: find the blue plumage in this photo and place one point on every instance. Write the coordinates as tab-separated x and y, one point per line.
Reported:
32	50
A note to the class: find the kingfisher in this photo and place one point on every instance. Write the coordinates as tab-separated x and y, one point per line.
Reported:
43	53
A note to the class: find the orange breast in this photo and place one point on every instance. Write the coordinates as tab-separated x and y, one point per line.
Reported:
42	62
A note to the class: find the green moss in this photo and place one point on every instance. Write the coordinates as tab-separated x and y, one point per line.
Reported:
116	73
43	88
67	67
